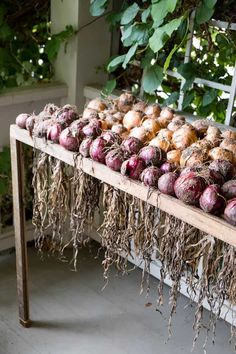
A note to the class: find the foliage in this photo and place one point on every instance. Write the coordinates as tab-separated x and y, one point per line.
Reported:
153	39
27	48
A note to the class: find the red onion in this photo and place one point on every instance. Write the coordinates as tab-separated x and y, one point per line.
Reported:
21	120
133	167
166	183
225	167
188	169
211	200
92	130
229	189
97	150
167	167
212	176
66	116
68	140
230	212
111	137
30	121
150	176
54	132
189	188
85	147
50	109
114	159
151	155
131	145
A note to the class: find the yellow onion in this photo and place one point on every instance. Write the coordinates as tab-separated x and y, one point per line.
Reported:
177	117
132	119
184	137
139	133
152	110
165	134
173	156
193	156
161	143
140	106
90	113
229	134
97	105
175	125
125	102
213	135
151	125
218	153
229	144
201	126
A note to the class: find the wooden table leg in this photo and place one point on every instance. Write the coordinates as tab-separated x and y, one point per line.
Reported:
17	163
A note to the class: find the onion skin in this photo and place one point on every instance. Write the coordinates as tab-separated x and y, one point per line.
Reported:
53	132
225	167
114	159
131	145
140	106
150	176
151	155
166	183
189	188
211	200
173	156
68	140
30	121
153	110
92	130
184	137
97	150
125	102
90	113
229	189
133	167
151	125
111	137
229	134
139	133
167	167
132	119
21	120
219	153
201	126
85	147
230	212
97	105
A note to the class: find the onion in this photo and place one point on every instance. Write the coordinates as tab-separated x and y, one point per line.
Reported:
165	134
85	147
229	189
131	145
21	120
66	117
133	167
30	121
167	167
219	153
189	188
175	125
115	158
104	125
50	109
173	156
161	143
186	170
229	134
151	155
111	120
97	105
118	116
166	116
140	106
78	125
119	129
201	126
111	137
225	167
230	145
125	102
90	113
132	119
230	212
153	110
92	129
166	183
98	150
151	125
41	127
203	145
184	137
68	140
213	135
54	131
139	133
178	118
211	200
150	176
211	176
193	156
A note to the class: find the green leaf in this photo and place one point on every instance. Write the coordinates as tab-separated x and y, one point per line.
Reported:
209	97
52	48
108	88
174	96
188	84
168	59
152	78
145	14
188	99
129	55
139	34
98	7
160	9
210	3
187	70
205	11
147	58
129	14
115	62
162	34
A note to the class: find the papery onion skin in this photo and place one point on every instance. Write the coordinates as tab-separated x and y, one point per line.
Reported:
53	132
151	155
97	105
92	130
167	167
68	140
166	183
139	133
229	189
114	159
153	110
125	102
211	200
21	120
132	119
189	188
131	145
111	137
98	150
150	176
219	153
90	113
230	212
225	167
85	147
133	167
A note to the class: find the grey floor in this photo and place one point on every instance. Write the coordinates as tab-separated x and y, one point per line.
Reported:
72	315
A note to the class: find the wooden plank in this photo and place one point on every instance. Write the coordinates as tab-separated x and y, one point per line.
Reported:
20	234
208	223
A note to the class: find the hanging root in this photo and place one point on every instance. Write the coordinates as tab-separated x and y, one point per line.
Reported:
85	195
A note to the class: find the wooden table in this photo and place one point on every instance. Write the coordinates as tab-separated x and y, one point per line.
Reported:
210	224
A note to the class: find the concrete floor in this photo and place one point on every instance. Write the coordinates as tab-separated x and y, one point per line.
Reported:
72	315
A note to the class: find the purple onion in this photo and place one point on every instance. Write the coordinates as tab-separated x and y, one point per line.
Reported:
230	212
53	132
229	189
97	150
225	167
21	120
150	176
85	147
114	159
151	155
66	116
133	167
211	200
131	145
111	137
166	183
91	130
167	167
68	140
